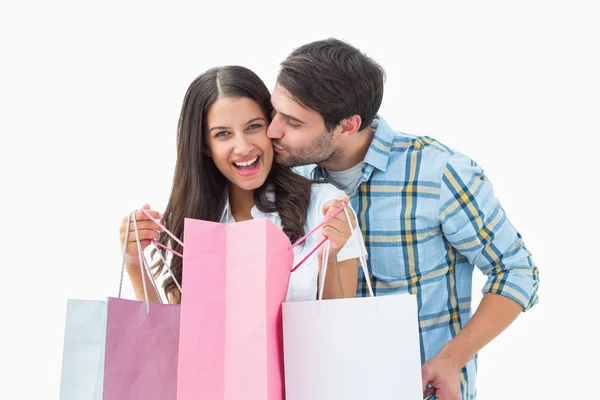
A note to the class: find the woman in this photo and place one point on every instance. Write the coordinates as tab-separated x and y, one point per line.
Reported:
225	173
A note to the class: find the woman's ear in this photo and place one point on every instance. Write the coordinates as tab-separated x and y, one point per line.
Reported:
206	152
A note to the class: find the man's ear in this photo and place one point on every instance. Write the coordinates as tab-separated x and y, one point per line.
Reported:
350	125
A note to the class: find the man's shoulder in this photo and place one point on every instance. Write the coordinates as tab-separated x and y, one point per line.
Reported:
426	145
427	154
424	156
405	150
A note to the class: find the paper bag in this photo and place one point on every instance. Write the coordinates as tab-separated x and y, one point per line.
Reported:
83	350
120	349
236	277
351	349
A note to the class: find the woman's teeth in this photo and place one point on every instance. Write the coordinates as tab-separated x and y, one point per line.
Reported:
247	163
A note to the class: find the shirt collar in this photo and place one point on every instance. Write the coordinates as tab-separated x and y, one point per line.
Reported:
227	216
378	154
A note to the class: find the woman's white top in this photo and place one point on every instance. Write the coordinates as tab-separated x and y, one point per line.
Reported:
303	281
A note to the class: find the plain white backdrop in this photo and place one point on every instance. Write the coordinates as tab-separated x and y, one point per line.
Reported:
90	95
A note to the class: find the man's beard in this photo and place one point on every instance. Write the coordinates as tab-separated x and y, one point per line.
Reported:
321	150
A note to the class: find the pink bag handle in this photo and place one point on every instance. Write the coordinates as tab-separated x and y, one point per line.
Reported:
156	242
298	242
303	238
159	244
157	222
159	253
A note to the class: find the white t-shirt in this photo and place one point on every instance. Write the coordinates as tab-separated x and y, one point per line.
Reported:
346	180
303	281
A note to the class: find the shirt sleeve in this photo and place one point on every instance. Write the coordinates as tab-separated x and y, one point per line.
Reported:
355	246
475	224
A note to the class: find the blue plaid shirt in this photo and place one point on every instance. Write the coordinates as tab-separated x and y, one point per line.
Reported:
428	215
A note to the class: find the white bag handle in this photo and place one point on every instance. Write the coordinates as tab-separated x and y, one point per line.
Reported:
143	264
361	258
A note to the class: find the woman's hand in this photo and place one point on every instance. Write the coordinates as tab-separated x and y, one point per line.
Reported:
337	229
147	230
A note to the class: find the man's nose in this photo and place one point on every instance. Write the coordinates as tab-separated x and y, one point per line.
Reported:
275	130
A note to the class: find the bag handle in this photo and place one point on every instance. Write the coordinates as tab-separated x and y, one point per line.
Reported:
164	228
361	258
142	260
144	265
298	242
159	244
303	238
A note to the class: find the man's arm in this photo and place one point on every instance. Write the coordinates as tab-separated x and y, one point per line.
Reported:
475	224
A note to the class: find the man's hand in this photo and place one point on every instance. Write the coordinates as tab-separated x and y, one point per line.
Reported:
443	374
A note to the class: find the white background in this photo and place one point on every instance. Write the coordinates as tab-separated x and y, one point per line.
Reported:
90	96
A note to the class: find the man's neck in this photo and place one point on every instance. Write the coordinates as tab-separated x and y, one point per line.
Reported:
354	151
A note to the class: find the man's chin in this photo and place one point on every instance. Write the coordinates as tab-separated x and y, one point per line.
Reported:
284	161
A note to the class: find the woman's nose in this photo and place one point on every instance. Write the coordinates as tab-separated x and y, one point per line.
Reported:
242	145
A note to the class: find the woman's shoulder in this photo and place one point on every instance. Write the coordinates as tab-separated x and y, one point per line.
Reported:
322	193
325	191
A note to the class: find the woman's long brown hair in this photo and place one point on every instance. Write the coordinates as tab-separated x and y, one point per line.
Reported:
199	187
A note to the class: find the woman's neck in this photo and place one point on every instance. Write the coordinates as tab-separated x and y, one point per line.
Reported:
241	202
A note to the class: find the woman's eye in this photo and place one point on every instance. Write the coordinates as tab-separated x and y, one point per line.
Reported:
255	126
221	134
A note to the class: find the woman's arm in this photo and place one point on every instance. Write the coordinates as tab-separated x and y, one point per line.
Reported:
341	278
135	276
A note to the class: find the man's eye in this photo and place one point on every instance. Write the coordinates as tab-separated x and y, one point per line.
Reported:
290	124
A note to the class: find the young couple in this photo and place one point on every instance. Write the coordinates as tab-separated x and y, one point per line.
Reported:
428	213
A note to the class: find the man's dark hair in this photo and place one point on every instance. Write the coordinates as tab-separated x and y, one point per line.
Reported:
335	79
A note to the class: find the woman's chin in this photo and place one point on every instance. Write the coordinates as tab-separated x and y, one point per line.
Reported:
250	184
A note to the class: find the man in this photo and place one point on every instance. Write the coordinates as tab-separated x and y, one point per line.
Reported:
428	213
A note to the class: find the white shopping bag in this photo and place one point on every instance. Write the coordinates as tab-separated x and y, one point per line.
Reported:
357	348
83	352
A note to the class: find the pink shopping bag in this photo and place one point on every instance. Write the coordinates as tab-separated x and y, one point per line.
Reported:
236	278
141	351
142	344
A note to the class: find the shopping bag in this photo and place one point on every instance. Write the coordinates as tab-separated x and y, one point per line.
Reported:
142	343
83	350
236	278
121	349
141	350
355	348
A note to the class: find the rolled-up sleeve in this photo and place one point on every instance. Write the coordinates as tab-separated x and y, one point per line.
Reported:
475	224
